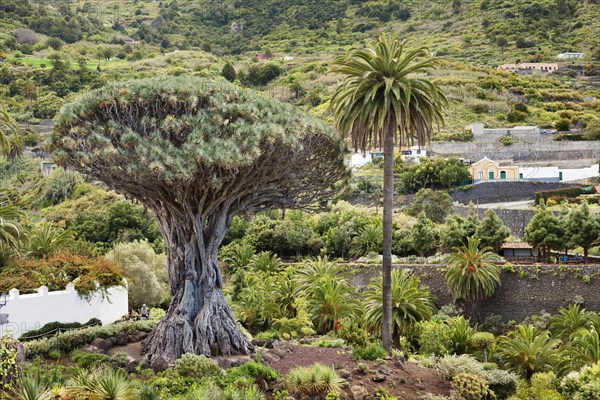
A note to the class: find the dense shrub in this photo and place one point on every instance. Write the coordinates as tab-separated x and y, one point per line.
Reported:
471	387
9	370
371	351
196	366
56	327
71	340
145	271
571	192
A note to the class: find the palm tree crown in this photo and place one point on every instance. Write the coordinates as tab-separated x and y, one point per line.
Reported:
379	87
472	274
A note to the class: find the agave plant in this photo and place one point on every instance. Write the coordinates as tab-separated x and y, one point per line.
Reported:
411	303
315	380
32	389
102	384
527	350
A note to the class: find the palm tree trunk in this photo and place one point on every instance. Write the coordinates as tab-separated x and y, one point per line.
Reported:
388	208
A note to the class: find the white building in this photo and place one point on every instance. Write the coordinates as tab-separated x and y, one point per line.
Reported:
567	56
413	153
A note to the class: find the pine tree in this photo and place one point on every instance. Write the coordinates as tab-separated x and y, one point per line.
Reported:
545	231
228	72
491	231
423	235
471	222
583	228
197	152
453	233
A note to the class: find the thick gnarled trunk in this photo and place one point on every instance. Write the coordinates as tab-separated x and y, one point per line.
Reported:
198	320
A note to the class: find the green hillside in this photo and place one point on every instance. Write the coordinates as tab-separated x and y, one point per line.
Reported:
52	50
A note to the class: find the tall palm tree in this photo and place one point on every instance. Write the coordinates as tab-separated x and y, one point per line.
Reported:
472	274
380	101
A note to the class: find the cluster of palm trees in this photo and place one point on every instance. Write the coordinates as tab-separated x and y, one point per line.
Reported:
261	298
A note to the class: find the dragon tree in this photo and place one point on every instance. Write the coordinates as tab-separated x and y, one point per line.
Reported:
197	153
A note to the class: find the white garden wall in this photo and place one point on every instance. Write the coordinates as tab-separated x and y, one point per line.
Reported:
32	311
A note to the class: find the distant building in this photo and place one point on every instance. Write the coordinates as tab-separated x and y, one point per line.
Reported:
486	170
479	129
489	170
264	56
413	153
519	251
46	168
567	56
131	41
529	68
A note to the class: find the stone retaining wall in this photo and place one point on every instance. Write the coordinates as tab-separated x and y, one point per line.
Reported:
526	291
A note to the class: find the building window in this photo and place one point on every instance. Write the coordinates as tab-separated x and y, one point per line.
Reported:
491	174
560	175
502	174
521	176
480	173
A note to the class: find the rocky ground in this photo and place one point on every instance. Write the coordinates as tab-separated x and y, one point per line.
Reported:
361	379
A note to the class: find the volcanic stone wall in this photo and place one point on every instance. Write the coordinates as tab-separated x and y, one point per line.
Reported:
499	192
526	291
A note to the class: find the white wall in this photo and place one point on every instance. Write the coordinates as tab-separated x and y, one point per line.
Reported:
580	173
540	173
359	159
32	311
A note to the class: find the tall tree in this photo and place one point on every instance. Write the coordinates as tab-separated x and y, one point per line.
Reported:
545	231
583	228
423	235
196	153
381	102
228	72
491	231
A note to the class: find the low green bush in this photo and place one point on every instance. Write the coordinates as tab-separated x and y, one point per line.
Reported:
352	333
372	351
71	340
471	387
89	360
196	366
252	369
56	327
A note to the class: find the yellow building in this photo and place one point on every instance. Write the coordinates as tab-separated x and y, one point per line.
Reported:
489	170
